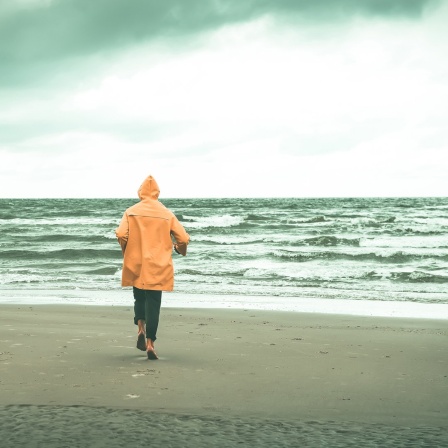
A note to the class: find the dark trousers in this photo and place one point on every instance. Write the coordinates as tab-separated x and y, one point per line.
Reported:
147	307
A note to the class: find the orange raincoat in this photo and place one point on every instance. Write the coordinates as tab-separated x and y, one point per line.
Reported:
144	235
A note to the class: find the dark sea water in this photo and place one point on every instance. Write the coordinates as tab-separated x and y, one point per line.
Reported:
373	249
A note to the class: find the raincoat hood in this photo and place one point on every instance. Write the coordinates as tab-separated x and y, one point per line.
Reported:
149	189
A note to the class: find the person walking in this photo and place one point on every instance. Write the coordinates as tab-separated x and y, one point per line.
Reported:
145	235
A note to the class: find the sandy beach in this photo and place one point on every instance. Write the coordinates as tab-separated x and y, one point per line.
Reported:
71	376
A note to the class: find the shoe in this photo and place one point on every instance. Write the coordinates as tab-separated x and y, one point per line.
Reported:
151	353
141	343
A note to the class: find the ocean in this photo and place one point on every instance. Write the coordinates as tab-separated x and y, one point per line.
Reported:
369	249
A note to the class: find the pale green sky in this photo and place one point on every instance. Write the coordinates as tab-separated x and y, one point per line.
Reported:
223	98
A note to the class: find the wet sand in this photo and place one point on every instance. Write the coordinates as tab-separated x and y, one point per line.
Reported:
224	378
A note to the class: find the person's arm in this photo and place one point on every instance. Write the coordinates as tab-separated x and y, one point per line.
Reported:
122	232
180	235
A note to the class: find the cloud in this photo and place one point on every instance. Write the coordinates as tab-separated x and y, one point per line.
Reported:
34	34
321	97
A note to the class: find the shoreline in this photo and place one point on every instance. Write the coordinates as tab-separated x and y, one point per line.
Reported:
313	305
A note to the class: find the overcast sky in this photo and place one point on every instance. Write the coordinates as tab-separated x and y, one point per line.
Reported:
216	98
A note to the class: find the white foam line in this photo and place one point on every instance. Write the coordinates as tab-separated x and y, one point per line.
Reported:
177	300
314	305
